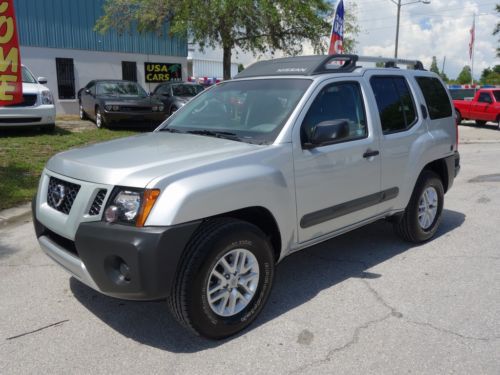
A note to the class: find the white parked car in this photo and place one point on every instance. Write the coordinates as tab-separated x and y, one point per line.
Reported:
37	109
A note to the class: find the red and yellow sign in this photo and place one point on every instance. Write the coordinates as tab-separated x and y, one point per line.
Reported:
11	83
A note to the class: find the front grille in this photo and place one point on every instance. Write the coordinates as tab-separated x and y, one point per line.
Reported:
29	100
98	201
65	243
61	195
134	109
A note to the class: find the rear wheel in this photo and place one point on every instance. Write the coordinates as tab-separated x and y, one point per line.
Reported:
224	278
423	213
498	122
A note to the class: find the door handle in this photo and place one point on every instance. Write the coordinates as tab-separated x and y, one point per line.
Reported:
369	154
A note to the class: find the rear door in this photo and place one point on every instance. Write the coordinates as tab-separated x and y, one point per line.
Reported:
337	185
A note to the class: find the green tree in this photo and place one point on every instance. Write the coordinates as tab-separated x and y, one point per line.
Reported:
465	75
241	68
256	26
490	76
497	29
434	66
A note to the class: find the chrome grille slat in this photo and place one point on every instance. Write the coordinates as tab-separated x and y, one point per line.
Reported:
70	192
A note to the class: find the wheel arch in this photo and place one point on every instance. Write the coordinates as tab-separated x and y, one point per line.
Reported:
262	218
440	168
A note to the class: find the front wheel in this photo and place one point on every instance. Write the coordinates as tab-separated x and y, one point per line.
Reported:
459	117
224	278
99	119
498	122
423	213
81	112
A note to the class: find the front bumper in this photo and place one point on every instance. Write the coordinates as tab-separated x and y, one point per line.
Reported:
118	260
27	116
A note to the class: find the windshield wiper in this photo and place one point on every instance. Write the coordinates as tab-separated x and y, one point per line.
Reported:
171	130
217	134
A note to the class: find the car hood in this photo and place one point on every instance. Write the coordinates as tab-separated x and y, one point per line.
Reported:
33	88
137	160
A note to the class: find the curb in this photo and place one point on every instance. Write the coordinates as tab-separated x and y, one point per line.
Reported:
14	214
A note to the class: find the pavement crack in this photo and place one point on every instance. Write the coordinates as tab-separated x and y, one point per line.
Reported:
353	341
450	332
37	330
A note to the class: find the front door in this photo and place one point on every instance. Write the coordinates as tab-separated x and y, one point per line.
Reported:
337	185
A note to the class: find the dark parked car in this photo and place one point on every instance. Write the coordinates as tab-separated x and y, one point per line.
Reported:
175	95
108	101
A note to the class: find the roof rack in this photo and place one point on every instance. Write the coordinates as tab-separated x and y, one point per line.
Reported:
318	64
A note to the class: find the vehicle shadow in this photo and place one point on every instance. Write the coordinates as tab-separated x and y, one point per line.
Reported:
31	131
299	278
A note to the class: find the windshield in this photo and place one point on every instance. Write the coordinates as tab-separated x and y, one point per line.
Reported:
496	93
250	111
186	90
120	89
27	76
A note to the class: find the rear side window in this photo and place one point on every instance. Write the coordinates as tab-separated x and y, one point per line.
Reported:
395	103
435	96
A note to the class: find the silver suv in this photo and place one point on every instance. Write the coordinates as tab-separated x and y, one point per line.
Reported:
293	152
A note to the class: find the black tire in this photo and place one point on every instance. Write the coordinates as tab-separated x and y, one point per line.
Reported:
480	122
408	227
188	299
498	123
83	115
100	122
459	117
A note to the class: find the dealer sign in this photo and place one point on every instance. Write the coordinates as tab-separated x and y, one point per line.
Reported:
162	72
11	83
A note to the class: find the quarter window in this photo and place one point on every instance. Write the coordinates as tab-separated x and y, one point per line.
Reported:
337	101
436	98
395	103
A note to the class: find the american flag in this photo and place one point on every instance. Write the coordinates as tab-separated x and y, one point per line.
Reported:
472	38
337	36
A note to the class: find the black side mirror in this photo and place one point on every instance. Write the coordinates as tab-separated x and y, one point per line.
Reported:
328	132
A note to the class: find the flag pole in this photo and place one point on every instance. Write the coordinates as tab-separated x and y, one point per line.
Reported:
473	49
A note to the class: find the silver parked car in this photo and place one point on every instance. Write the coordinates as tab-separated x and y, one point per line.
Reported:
293	152
37	107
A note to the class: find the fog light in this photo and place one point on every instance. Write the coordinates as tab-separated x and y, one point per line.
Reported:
111	214
125	271
116	108
108	107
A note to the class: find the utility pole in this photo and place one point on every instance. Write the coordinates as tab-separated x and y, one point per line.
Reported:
399	5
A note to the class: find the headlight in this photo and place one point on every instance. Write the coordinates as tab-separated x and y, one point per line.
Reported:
47	97
161	108
130	206
108	107
154	109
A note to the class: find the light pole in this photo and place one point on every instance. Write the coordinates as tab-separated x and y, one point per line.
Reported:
399	5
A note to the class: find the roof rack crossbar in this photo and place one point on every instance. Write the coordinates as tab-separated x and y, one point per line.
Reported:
390	62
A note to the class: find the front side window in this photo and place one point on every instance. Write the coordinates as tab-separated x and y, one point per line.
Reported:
436	98
484	97
251	111
337	101
186	90
395	103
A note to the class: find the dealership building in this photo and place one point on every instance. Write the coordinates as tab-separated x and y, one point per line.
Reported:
58	41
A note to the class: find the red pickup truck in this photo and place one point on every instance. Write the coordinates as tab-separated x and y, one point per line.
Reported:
484	107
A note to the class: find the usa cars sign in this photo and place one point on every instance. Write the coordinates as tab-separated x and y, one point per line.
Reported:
11	83
162	72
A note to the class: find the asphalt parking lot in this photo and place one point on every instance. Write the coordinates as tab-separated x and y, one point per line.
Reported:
365	302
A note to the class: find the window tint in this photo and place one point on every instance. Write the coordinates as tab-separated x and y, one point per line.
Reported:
438	103
338	101
394	102
484	97
496	94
